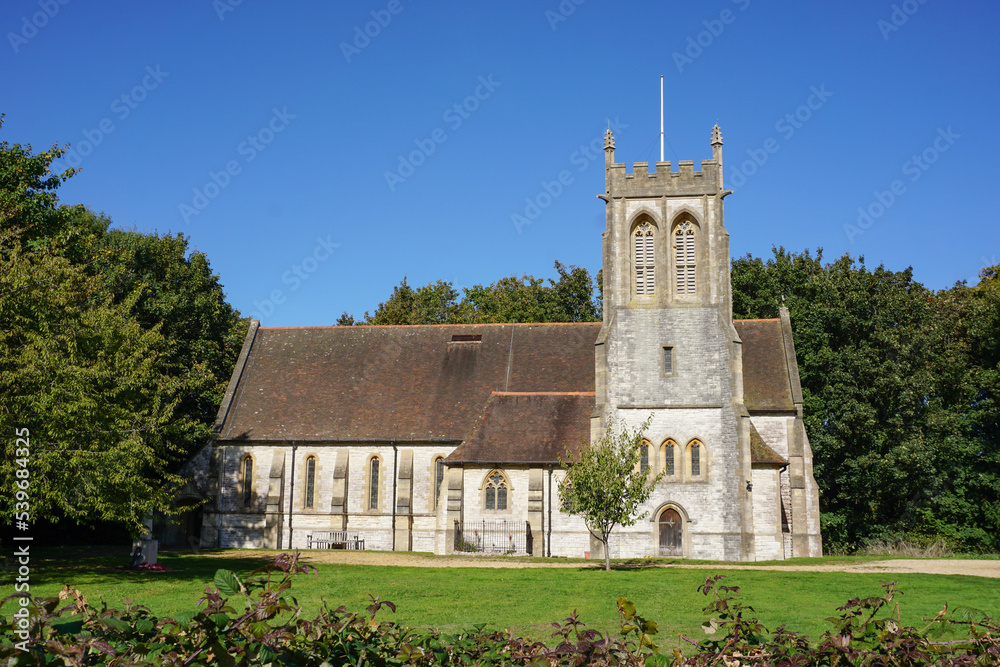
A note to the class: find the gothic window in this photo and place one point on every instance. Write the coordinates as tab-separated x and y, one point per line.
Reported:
438	478
684	264
696	457
310	481
246	471
668	360
645	271
669	450
373	484
495	496
644	457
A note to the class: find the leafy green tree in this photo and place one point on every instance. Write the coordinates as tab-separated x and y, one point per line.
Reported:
435	303
179	295
606	486
114	349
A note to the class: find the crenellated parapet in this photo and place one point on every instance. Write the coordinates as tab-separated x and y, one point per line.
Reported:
642	182
663	181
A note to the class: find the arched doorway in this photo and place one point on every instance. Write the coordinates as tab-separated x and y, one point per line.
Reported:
671	533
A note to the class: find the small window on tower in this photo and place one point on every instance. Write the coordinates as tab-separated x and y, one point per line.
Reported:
668	360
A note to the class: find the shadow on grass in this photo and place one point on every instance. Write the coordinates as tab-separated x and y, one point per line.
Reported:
52	565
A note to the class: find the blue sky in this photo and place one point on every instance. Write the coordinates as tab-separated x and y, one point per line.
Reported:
315	152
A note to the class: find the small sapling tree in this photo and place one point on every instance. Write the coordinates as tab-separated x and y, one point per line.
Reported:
606	484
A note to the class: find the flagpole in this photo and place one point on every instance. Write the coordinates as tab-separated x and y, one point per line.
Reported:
661	118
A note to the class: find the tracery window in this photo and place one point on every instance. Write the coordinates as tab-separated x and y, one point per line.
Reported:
645	270
310	481
684	264
495	495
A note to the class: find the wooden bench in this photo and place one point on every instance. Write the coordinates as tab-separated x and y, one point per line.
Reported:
334	539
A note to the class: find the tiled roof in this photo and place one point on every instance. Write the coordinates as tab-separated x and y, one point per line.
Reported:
397	383
431	383
766	383
529	428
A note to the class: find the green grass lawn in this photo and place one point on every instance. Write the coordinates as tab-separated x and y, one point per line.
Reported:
523	600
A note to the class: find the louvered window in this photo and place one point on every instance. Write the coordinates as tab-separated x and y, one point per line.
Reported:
645	271
685	258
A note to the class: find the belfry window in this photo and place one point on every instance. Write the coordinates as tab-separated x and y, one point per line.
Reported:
685	258
645	270
495	496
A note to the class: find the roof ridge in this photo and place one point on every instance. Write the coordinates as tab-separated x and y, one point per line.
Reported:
428	326
543	393
760	319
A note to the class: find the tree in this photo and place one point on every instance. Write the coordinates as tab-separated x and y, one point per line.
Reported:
115	348
606	485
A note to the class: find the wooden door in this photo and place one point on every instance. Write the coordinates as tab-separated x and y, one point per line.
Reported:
671	535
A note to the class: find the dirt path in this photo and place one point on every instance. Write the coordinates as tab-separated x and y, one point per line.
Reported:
975	568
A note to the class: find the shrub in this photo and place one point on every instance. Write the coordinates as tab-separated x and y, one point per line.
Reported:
258	622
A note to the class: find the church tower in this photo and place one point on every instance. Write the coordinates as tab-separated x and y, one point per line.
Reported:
668	348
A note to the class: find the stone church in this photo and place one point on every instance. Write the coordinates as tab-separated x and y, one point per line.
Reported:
448	438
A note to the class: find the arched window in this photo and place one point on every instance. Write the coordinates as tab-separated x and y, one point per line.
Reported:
669	451
645	271
438	478
246	469
644	457
495	493
373	484
695	455
310	481
685	258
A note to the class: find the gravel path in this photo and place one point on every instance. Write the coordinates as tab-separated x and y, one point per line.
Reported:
976	568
